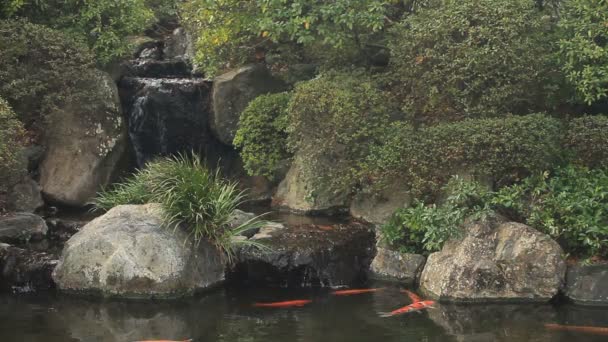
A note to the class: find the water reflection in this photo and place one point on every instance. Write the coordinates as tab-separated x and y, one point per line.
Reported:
228	315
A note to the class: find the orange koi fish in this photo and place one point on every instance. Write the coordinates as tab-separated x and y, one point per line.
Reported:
189	340
578	328
286	304
409	308
354	291
414	297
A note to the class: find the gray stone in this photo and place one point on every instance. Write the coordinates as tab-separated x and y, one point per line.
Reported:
128	252
496	262
239	218
307	255
22	227
393	265
378	208
179	45
587	284
233	91
24	270
85	143
299	192
26	197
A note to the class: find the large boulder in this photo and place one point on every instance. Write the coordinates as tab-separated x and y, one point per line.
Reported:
587	284
21	227
307	255
24	270
389	264
84	145
496	262
128	252
300	192
233	91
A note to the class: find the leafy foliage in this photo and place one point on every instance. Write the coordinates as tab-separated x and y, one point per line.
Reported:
504	149
231	31
334	120
103	24
571	205
12	140
262	134
587	140
422	229
192	197
471	59
41	69
584	47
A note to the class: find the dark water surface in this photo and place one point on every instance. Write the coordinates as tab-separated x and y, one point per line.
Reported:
228	315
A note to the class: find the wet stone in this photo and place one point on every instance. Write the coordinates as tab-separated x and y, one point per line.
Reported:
22	227
587	284
24	270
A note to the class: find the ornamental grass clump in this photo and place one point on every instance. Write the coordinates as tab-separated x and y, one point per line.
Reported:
192	197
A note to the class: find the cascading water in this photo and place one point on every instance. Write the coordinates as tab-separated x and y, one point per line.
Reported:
167	107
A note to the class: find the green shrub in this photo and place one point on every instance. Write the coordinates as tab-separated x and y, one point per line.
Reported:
504	149
587	140
262	134
424	228
571	205
103	24
471	59
584	47
12	140
192	197
334	120
41	68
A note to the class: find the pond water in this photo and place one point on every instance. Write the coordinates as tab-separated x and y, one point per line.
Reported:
228	315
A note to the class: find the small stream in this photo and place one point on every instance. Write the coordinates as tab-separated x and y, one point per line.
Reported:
228	315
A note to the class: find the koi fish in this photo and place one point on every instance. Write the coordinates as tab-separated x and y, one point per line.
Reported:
286	304
188	340
354	291
414	297
578	328
409	308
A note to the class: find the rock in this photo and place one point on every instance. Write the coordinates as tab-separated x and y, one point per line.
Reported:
179	45
22	227
63	229
587	284
300	193
166	116
240	217
307	255
128	252
152	68
233	91
85	144
378	208
24	270
26	197
393	265
496	262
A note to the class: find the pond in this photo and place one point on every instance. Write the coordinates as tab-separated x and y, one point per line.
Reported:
228	314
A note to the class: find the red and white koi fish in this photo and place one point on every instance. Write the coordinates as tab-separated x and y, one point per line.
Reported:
424	304
578	328
285	304
414	297
354	291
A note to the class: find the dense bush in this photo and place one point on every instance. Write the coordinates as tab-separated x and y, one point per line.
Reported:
570	205
41	68
587	140
12	139
423	229
504	149
103	24
334	120
192	197
229	32
471	59
262	134
584	47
